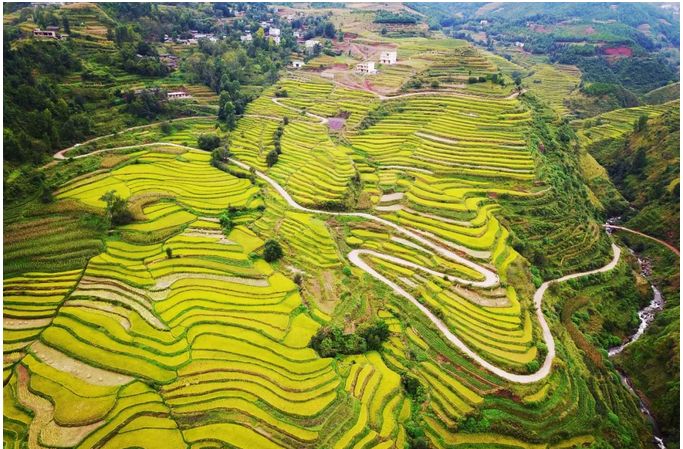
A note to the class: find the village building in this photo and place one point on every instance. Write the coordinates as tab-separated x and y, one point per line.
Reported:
178	95
297	64
51	34
246	38
272	31
387	57
483	22
309	44
275	39
519	44
366	67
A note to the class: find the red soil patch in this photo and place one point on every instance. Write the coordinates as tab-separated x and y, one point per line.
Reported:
618	51
589	30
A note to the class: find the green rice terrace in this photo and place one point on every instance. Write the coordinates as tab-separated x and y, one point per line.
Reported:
350	268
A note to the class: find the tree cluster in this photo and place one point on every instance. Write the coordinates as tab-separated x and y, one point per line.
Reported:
332	341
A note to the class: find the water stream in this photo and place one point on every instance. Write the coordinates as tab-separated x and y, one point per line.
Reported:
646	316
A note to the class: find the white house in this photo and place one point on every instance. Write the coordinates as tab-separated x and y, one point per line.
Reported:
275	39
519	44
297	64
49	33
178	95
298	34
387	57
483	22
366	67
309	44
272	31
246	38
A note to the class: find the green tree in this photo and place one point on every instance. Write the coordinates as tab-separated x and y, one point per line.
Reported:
272	251
271	158
639	161
226	221
641	123
227	111
208	141
66	25
117	212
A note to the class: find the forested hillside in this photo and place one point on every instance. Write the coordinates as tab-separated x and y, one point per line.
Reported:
114	69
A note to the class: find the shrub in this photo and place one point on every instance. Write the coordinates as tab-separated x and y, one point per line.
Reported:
208	142
272	251
169	253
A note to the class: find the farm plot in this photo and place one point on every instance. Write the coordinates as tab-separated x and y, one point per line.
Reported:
553	84
452	135
312	168
187	176
614	124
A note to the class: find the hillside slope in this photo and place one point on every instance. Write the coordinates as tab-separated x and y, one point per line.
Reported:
644	166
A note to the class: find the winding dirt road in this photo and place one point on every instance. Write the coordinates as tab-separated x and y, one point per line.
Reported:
490	280
622	228
61	154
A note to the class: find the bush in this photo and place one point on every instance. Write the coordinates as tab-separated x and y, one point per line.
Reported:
272	251
169	253
208	142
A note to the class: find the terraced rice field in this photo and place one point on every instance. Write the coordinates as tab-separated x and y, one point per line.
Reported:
553	84
614	124
170	333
